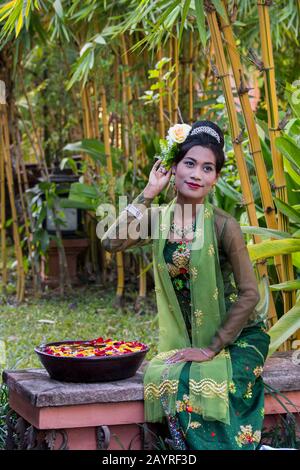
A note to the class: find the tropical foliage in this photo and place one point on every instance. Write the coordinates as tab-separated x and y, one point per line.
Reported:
91	88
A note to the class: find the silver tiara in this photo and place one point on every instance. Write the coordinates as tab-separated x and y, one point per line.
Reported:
206	130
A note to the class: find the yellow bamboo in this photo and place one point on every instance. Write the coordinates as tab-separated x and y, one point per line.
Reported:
274	131
129	100
24	181
119	254
5	145
3	218
223	75
161	104
254	142
191	90
176	91
169	81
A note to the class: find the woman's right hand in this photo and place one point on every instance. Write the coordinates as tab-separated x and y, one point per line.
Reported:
157	180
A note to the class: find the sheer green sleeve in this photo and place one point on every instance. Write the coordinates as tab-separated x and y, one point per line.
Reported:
128	231
236	251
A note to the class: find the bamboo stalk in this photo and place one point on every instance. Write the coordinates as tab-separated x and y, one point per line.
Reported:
191	90
255	147
25	215
274	131
223	75
23	174
3	217
161	104
4	143
176	91
64	275
41	154
129	99
169	96
119	254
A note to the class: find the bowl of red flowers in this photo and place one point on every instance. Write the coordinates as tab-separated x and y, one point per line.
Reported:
98	360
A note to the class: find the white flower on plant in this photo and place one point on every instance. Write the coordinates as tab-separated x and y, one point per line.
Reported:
178	133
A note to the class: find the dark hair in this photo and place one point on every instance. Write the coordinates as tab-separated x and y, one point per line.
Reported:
205	140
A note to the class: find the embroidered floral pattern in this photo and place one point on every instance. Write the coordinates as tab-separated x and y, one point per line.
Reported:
160	267
179	284
246	436
258	371
194	272
166	354
207	213
241	343
232	388
216	294
248	393
211	250
233	297
198	232
198	314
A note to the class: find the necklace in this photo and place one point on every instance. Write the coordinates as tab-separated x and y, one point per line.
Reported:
182	232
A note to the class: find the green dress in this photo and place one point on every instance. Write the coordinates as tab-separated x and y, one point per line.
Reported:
246	398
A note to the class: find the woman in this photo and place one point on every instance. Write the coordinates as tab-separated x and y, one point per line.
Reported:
206	379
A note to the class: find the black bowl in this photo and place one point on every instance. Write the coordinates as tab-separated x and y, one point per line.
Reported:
90	369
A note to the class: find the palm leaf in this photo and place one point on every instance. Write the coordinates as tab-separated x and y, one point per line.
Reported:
287	210
200	16
265	232
285	327
289	285
270	248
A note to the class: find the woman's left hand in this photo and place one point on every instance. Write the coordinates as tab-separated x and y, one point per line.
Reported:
191	354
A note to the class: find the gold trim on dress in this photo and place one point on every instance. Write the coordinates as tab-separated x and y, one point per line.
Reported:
209	388
152	391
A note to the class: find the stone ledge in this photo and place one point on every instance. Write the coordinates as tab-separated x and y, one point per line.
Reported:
36	386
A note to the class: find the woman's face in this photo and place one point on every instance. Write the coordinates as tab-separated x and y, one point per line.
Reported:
199	167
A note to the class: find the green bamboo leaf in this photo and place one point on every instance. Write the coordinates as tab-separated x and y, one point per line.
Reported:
228	190
265	232
296	260
288	285
287	210
285	327
77	204
219	6
200	16
267	249
185	11
84	190
293	174
289	148
58	9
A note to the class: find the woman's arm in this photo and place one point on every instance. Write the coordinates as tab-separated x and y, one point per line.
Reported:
129	230
248	294
117	237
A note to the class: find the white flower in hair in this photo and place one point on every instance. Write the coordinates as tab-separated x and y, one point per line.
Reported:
178	133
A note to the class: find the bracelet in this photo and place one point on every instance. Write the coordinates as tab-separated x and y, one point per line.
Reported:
134	211
205	353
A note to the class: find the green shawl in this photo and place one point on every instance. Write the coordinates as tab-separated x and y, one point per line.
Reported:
208	381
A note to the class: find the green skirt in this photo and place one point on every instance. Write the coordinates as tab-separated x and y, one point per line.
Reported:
246	400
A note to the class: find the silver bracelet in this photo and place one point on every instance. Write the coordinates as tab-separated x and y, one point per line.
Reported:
134	211
205	353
